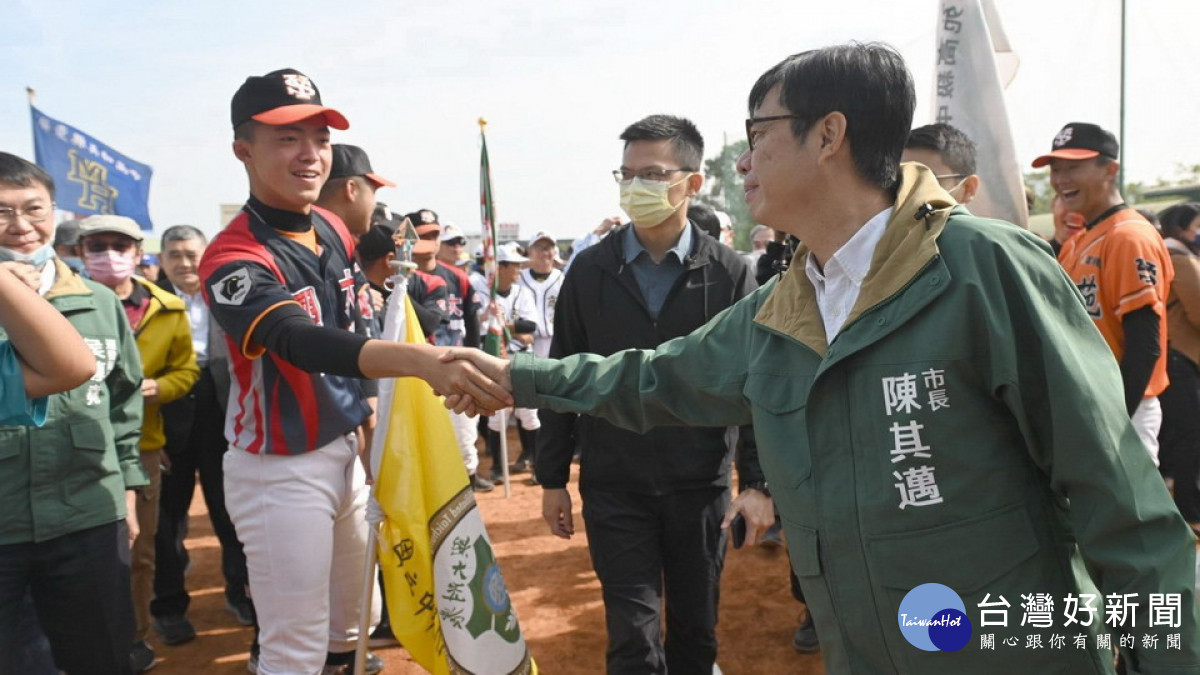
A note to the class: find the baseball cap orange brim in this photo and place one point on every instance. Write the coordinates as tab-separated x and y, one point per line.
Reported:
378	180
1064	153
290	114
428	228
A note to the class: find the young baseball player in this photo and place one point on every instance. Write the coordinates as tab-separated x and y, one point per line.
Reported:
516	309
281	281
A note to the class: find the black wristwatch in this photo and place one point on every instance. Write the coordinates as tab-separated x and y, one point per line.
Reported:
760	485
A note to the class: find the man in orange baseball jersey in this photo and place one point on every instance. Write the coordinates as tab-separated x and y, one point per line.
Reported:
1120	265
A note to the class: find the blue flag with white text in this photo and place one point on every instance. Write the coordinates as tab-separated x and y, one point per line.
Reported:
89	176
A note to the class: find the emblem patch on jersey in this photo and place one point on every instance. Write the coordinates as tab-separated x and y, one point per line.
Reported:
307	297
233	288
1147	271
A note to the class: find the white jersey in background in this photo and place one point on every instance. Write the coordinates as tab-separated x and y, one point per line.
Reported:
545	297
518	304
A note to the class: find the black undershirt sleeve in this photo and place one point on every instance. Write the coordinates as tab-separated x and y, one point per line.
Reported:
289	332
470	319
1142	350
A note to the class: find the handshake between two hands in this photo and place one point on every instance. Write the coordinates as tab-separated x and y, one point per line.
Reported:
472	381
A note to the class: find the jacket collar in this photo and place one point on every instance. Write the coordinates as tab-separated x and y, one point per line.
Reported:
614	249
66	282
909	243
682	248
1175	246
160	301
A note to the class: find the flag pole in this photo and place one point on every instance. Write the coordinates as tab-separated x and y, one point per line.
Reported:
367	594
1124	153
31	94
493	342
402	267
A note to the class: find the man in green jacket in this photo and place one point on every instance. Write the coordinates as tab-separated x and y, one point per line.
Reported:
67	488
932	406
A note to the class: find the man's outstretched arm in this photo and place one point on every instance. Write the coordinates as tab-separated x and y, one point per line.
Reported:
695	380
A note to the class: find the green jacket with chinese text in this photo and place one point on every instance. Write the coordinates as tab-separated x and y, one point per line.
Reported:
72	473
965	428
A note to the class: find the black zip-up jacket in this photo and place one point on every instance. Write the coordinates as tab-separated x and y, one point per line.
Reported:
601	310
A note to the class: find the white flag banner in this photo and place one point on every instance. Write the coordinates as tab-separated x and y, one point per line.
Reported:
974	64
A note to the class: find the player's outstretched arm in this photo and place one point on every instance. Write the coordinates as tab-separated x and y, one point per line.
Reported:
289	332
474	389
52	354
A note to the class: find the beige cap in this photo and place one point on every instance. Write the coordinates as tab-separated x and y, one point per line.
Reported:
110	223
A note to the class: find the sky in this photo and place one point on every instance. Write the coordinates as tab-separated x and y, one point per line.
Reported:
557	83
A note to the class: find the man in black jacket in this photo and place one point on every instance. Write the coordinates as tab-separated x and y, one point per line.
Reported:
653	509
195	445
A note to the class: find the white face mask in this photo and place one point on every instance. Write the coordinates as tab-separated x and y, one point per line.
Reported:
646	201
38	258
954	191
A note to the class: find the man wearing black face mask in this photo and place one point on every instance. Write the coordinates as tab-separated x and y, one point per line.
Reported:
652	503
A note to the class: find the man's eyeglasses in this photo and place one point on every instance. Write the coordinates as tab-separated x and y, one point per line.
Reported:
622	175
33	215
949	176
118	245
752	133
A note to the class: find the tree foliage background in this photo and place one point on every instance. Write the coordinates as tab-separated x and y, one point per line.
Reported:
723	191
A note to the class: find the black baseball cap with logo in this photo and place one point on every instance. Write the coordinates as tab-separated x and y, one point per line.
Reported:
351	160
1081	140
282	97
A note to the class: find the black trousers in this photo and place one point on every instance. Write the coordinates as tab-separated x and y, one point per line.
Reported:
1179	437
195	431
643	545
80	588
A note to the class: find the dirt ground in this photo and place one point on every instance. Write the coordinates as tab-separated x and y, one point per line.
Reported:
553	588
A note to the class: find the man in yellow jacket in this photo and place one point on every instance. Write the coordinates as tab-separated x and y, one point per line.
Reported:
111	247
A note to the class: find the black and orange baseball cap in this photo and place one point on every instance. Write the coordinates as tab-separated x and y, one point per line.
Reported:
351	160
282	97
425	222
1081	140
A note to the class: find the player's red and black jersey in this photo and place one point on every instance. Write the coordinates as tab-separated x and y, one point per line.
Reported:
430	295
250	269
463	325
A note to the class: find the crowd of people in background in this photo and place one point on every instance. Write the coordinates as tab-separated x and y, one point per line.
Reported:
249	365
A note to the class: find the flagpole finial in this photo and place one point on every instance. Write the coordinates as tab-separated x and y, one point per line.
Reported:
482	123
31	94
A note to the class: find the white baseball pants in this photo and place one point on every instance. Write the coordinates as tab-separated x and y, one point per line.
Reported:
302	521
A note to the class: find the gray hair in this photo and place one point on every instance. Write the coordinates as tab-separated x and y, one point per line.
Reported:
182	233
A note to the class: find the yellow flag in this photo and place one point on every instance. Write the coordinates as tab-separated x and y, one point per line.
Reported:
446	597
